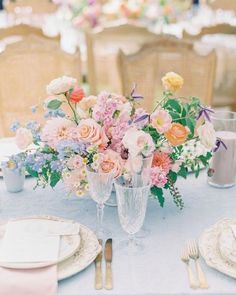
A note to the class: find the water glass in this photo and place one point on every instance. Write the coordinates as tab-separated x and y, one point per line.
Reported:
223	162
100	187
132	204
14	179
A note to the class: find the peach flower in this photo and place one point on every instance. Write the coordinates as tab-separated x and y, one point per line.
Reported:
110	161
172	82
162	160
85	105
177	134
161	120
91	132
23	138
61	85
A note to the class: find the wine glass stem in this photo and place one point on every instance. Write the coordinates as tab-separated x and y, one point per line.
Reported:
100	212
131	242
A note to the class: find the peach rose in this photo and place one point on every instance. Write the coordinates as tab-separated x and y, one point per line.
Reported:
85	105
111	161
177	134
172	82
23	138
90	131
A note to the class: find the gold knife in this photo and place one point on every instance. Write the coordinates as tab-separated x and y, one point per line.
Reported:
98	270
108	258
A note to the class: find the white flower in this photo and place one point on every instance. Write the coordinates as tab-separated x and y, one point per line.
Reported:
207	135
23	138
61	85
138	142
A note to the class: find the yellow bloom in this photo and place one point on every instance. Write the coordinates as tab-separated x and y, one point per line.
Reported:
172	82
79	193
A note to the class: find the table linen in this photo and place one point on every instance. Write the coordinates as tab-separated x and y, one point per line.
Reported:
159	271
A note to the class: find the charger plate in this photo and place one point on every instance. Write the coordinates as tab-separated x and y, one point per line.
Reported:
84	255
69	244
209	248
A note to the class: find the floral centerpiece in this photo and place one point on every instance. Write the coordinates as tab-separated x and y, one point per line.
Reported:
110	132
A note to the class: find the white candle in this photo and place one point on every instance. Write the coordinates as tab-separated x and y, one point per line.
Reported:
223	162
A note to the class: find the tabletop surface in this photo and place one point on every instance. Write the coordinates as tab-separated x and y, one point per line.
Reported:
159	270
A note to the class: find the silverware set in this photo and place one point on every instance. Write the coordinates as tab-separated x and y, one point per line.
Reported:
191	252
98	267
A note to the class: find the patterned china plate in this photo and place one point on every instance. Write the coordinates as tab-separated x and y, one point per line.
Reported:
227	245
69	244
209	248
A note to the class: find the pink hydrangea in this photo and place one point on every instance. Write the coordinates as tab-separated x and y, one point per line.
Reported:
158	177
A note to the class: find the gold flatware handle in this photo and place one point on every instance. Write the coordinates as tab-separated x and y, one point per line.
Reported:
192	282
201	276
98	276
108	282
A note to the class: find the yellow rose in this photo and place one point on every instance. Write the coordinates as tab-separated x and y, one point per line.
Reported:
172	82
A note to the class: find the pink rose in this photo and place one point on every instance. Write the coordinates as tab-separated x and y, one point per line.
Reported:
23	138
91	132
161	120
110	161
138	142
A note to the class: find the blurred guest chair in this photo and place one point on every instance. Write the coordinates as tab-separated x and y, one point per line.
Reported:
216	29
223	4
154	60
36	6
102	47
26	67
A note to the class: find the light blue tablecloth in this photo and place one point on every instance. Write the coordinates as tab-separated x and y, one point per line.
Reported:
159	270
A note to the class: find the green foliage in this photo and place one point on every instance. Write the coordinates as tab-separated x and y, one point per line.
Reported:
54	104
54	178
153	132
172	176
32	172
158	194
183	171
173	105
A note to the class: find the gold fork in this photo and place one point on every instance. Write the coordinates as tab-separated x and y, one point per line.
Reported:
193	252
185	259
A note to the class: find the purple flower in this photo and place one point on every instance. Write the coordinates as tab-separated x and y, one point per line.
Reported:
205	113
134	95
219	143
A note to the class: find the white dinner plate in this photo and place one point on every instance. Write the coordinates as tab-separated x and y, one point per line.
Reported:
69	244
227	244
209	248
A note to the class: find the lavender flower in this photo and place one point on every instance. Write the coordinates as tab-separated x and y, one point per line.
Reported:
66	148
34	109
56	166
14	126
205	113
219	143
134	95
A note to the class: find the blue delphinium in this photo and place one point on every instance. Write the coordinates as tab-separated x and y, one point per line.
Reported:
66	148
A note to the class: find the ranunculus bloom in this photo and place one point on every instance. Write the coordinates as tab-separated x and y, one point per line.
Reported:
177	134
158	177
77	94
61	85
161	120
207	135
110	161
91	132
172	82
23	138
138	142
162	160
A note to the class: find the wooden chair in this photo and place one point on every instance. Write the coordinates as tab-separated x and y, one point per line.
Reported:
154	60
26	67
223	4
38	7
23	30
102	47
216	29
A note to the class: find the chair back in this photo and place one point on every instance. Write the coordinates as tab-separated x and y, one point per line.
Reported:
223	4
26	67
37	6
154	60
103	45
216	29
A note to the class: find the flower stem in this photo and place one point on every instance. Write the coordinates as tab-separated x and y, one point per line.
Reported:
73	110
